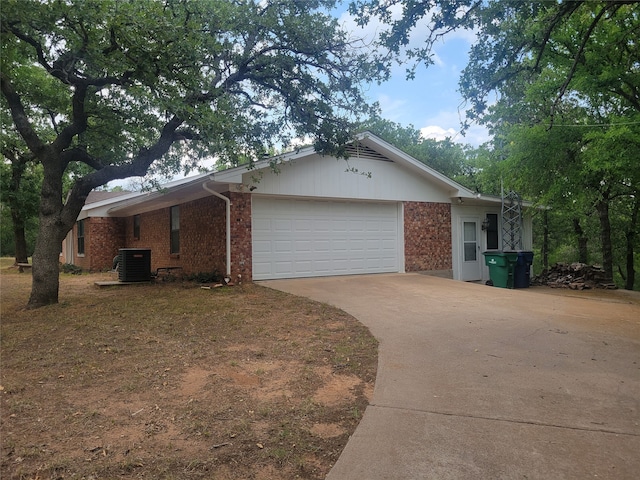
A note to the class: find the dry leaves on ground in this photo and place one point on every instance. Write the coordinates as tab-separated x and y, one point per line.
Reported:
169	380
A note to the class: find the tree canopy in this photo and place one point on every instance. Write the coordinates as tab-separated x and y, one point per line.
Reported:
558	83
517	40
125	85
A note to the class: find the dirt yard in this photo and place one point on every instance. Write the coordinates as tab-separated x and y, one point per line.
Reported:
172	381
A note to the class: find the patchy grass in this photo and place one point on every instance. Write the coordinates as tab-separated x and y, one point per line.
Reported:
6	262
168	380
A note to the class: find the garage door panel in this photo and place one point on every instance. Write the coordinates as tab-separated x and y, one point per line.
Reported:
282	267
262	269
261	225
261	247
282	246
303	238
282	225
303	246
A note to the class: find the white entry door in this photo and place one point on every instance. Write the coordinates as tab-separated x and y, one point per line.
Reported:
471	256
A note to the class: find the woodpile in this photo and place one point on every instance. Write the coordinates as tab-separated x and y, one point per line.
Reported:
576	276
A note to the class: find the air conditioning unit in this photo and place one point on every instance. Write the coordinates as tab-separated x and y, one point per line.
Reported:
135	265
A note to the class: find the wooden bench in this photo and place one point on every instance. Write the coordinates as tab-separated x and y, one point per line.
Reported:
22	266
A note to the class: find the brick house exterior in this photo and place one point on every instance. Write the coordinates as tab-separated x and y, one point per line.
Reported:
103	237
427	236
204	237
438	221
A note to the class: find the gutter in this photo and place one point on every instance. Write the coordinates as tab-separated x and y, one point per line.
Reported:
228	202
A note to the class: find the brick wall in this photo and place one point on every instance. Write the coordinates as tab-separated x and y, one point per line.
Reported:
241	243
105	237
427	236
202	236
102	239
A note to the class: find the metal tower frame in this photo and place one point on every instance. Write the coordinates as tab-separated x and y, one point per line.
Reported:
512	226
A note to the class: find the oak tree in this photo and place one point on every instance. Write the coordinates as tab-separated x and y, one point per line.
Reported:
168	82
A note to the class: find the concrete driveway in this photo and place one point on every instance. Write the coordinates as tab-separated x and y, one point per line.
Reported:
480	382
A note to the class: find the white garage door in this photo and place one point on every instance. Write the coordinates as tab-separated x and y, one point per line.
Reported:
313	238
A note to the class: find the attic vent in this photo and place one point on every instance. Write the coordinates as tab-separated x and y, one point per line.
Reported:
357	150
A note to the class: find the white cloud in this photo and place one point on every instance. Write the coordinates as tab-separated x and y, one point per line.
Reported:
448	124
475	135
438	133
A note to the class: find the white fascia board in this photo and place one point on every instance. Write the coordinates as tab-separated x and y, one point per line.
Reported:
498	200
99	209
111	200
143	197
102	208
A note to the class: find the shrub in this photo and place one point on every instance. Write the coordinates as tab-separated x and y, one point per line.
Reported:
70	268
205	277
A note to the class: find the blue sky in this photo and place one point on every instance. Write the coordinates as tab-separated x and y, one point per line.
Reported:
431	101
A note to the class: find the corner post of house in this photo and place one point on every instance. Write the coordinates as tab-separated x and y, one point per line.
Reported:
241	240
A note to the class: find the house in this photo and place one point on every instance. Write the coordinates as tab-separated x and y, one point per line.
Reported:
302	214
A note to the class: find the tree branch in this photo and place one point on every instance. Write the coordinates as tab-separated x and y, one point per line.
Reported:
78	124
19	116
577	57
80	155
31	41
566	10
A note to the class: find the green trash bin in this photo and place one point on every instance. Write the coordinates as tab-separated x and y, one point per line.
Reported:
501	267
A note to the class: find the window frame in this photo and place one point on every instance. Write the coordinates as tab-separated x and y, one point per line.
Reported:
136	227
174	230
493	232
80	237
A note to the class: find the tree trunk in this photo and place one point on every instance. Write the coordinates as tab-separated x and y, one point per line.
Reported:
631	237
46	271
56	220
19	237
605	234
18	167
545	240
583	251
51	232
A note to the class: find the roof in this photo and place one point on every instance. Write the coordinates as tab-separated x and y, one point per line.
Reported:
101	195
199	186
367	140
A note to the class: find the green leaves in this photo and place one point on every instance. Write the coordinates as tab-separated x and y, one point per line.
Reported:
234	74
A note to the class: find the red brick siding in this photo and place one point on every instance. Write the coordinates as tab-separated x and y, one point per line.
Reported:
154	235
202	236
106	236
427	236
241	242
102	239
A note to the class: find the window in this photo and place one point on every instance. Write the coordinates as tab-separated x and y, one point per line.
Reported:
470	241
136	227
80	231
492	232
175	229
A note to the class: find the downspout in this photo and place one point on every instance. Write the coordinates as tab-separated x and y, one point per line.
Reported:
228	202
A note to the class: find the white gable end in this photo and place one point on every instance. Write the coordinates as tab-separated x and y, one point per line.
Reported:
355	178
